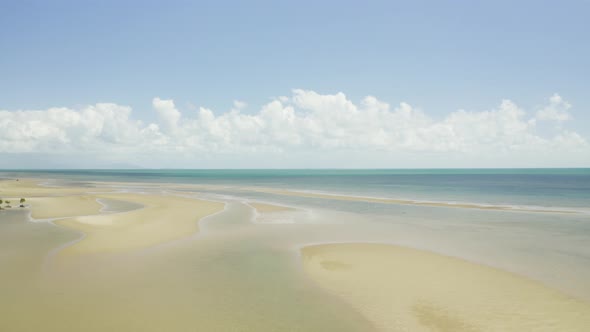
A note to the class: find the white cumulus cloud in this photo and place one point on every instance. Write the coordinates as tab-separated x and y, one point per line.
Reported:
318	126
557	110
167	112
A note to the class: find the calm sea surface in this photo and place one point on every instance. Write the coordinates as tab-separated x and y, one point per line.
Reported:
531	187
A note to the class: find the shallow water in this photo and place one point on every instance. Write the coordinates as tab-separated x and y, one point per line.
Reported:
232	277
237	274
113	206
536	187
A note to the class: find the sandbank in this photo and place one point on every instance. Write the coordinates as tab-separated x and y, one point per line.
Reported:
402	289
63	207
163	218
49	202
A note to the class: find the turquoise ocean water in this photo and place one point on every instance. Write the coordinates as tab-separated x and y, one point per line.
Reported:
568	188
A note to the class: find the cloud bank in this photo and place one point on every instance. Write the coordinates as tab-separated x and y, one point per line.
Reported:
306	129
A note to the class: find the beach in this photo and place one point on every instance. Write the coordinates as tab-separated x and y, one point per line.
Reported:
97	255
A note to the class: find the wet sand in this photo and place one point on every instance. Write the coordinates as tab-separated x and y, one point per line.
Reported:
63	207
50	202
146	270
401	289
161	219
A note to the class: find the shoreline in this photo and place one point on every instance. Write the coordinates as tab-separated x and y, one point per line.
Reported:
396	201
114	187
77	210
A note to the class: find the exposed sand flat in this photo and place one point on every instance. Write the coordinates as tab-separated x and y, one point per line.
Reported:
268	208
64	206
50	202
401	289
163	218
401	201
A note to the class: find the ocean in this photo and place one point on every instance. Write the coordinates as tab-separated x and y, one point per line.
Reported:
567	188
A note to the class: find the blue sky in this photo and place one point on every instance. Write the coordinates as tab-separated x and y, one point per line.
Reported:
438	56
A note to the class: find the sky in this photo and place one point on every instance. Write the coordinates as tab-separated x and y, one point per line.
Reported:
285	84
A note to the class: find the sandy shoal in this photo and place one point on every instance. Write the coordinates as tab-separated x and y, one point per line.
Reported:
269	208
162	219
401	289
63	207
49	202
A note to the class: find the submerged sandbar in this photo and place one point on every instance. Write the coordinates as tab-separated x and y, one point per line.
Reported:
402	289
